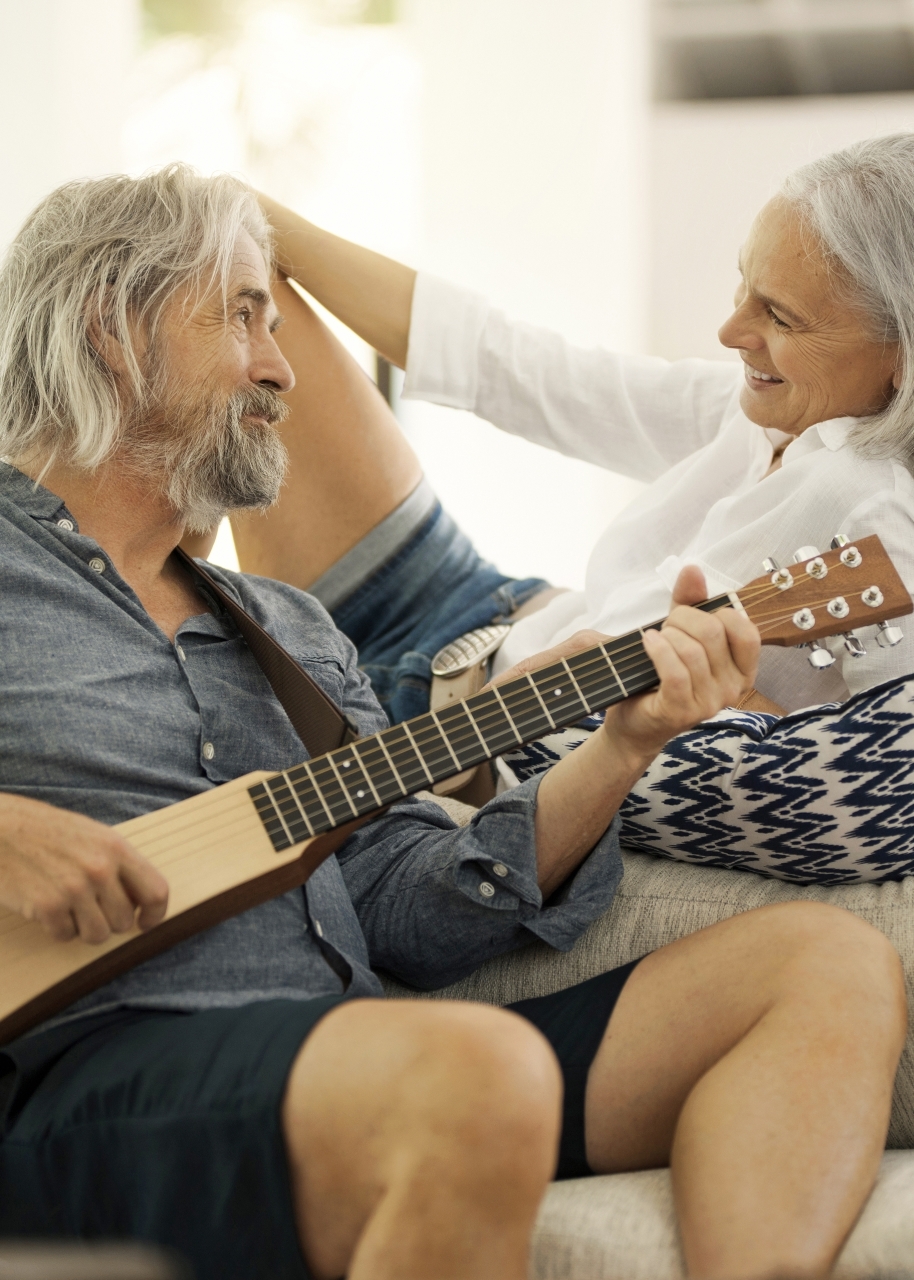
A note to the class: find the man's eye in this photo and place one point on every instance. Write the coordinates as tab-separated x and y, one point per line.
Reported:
245	314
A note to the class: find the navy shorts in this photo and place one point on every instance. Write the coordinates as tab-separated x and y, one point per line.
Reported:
165	1127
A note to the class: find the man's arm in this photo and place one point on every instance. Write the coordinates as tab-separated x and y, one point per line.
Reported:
370	293
74	876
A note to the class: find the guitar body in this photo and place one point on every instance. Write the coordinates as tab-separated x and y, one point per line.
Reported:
215	854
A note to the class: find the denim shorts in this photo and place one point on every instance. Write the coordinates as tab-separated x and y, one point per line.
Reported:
433	589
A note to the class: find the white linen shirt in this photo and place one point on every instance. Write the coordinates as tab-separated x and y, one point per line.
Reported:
679	427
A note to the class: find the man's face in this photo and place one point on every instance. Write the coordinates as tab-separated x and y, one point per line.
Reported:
216	375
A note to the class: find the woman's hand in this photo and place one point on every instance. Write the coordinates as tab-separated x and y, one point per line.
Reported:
74	876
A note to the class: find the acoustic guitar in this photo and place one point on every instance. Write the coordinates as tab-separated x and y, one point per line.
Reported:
258	836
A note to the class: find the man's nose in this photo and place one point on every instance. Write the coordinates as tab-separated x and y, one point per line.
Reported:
270	366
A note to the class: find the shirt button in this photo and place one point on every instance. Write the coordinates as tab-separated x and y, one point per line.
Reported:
317	928
65	524
181	654
208	751
487	890
499	869
97	564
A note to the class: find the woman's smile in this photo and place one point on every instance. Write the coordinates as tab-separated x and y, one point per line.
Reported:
758	381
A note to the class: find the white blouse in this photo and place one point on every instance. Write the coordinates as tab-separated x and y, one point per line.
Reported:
678	426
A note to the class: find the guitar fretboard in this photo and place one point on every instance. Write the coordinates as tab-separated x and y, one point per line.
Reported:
364	776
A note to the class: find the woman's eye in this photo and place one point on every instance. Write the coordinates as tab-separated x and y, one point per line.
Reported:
776	319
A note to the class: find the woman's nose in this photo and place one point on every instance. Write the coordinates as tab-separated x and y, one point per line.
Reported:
739	333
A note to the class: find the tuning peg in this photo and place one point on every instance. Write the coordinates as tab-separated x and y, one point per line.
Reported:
770	565
854	645
804	553
819	657
888	636
839	540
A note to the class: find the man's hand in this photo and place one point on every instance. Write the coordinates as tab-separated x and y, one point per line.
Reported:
705	661
76	877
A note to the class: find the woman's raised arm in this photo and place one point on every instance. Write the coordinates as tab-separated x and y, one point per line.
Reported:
370	293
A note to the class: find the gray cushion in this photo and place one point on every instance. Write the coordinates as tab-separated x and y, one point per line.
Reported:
659	901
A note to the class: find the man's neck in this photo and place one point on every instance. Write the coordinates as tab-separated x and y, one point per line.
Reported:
136	527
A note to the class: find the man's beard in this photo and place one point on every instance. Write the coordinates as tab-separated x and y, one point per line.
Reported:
206	459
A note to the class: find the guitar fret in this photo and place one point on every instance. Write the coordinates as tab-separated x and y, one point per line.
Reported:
346	796
472	720
306	794
463	738
611	665
483	704
393	767
447	741
409	766
501	700
263	803
298	804
366	773
285	827
577	687
320	795
540	699
406	729
556	692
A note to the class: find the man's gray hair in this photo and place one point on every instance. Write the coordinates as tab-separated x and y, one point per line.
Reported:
859	203
105	254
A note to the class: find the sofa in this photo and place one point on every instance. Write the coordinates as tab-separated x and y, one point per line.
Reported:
623	1226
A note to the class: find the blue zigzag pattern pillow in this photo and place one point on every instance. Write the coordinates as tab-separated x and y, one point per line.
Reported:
820	796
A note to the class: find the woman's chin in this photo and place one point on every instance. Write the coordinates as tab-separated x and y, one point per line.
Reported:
760	409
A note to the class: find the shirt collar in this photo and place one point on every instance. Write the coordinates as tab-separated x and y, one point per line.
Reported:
32	498
832	435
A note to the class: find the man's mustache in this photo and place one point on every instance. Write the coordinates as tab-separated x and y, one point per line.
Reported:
258	402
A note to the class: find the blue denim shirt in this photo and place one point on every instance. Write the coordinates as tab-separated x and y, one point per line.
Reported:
102	714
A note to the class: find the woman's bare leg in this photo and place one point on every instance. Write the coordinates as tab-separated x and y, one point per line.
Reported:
350	467
757	1057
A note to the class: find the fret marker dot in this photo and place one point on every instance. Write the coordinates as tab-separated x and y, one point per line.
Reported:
346	764
360	794
558	693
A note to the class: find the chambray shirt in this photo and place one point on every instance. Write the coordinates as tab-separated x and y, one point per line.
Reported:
102	714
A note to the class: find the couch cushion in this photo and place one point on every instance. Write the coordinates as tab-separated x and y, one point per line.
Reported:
625	1225
660	901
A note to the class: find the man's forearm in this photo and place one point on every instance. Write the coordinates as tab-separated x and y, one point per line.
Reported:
370	293
577	800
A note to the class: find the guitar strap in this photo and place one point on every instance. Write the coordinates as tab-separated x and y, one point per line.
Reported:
315	717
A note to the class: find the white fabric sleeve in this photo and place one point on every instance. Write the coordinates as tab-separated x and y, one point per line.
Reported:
637	415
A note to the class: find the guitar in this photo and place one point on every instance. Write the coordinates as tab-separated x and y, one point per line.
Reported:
258	836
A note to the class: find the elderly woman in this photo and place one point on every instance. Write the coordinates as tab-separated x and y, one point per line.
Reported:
812	436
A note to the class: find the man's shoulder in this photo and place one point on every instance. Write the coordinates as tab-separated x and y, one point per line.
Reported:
277	606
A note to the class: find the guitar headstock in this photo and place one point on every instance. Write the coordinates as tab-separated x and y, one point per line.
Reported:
854	585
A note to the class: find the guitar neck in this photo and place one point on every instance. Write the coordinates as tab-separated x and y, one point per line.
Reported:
364	776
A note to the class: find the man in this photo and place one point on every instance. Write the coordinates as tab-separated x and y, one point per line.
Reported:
241	1097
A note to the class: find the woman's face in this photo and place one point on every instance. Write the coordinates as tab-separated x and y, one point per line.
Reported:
808	354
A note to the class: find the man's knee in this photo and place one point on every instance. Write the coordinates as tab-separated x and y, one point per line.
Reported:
466	1077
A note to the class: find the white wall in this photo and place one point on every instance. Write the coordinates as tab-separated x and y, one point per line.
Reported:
65	70
533	190
713	166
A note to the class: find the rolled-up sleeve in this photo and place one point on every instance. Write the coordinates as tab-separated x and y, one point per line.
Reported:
436	900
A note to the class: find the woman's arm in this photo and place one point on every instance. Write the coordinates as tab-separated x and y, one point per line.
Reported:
370	293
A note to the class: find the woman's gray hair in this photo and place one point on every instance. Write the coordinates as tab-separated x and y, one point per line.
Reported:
105	254
859	203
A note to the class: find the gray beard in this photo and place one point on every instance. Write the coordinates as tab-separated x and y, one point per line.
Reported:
209	462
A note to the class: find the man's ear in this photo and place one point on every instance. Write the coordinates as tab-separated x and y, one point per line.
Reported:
105	343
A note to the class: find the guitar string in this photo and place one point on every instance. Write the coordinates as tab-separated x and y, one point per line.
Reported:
599	663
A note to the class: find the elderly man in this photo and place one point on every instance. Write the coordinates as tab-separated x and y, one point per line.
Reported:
246	1097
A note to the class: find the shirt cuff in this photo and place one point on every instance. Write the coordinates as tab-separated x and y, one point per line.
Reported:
445	330
507	880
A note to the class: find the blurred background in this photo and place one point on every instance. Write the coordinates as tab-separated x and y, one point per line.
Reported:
591	165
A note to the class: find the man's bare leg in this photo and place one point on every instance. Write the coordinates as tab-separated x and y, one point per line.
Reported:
757	1057
351	465
421	1138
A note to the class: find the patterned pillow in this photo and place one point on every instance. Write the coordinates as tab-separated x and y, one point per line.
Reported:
824	795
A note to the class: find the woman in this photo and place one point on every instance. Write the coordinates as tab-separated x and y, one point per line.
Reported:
810	438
